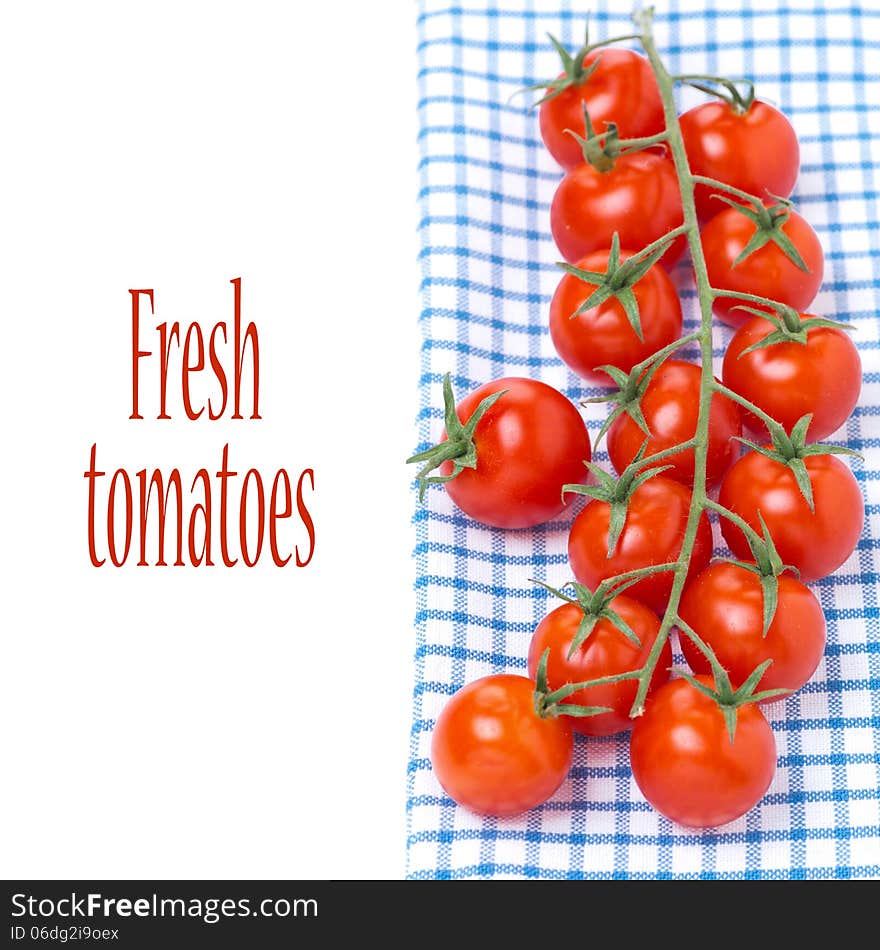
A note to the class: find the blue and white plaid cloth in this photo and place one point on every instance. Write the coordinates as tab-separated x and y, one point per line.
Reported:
488	272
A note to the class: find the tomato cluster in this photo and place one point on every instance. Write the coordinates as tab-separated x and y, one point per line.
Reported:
515	452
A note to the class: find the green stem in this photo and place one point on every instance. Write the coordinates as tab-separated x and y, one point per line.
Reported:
655	457
675	143
767	419
636	145
668	350
754	200
700	502
734	518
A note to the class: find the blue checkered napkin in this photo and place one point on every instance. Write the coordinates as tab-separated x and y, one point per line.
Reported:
488	273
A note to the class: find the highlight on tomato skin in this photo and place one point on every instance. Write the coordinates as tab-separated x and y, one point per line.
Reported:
491	751
686	765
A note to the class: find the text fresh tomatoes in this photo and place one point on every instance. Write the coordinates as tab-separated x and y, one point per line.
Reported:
815	542
492	752
638	198
722	143
621	89
686	765
605	652
670	405
768	272
655	524
529	443
724	605
787	380
603	335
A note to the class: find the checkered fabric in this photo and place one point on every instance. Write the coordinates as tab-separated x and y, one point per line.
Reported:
488	272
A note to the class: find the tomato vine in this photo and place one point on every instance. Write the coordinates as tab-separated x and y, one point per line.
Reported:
709	386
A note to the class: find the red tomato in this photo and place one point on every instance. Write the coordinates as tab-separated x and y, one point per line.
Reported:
605	652
724	605
767	272
529	444
603	335
670	405
685	764
815	542
788	380
638	198
655	523
491	751
721	144
622	89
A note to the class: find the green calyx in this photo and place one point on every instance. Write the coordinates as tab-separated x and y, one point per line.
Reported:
769	221
727	90
728	699
601	150
768	566
631	386
459	447
549	705
616	492
791	449
618	280
574	72
790	326
595	606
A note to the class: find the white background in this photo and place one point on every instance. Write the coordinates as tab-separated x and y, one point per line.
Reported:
220	723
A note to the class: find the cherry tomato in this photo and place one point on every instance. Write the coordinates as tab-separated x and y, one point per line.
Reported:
725	606
767	272
815	542
721	143
622	89
654	529
789	379
529	443
685	764
606	652
603	335
670	405
493	753
638	198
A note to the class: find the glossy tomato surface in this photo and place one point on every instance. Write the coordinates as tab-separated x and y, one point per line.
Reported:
493	754
756	151
685	764
725	606
605	652
670	405
638	198
655	526
603	335
788	380
529	443
768	272
815	542
622	89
